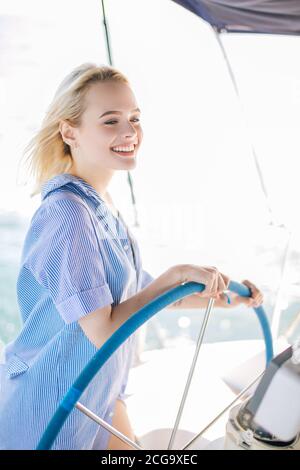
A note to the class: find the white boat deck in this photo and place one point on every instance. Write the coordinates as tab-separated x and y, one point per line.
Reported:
155	389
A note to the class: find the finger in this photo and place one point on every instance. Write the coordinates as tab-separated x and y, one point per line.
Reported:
253	303
258	302
245	300
226	280
251	286
221	283
215	283
218	285
207	280
247	282
215	290
256	298
211	284
253	289
256	295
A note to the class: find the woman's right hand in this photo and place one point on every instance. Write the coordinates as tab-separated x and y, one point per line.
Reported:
214	281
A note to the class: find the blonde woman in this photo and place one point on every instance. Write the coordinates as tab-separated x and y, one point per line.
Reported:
81	275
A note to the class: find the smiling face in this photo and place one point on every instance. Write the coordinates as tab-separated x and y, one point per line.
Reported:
102	130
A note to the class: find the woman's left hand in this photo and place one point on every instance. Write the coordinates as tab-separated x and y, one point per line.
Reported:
254	301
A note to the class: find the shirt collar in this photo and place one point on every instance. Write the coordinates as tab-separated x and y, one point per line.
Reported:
65	178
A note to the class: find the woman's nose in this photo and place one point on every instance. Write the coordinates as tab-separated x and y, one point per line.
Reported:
130	130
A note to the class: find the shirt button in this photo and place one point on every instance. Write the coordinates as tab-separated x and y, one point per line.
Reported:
126	247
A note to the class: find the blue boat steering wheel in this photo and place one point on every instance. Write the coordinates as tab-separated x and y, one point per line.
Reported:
120	336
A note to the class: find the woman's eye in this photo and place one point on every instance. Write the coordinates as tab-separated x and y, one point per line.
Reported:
113	122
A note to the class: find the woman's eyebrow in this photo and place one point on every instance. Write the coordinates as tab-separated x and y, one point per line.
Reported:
118	112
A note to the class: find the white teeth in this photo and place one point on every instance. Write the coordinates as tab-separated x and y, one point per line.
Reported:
123	149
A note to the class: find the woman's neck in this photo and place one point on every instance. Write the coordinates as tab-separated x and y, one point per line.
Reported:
99	184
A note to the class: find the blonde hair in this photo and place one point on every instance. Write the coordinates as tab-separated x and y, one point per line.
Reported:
47	154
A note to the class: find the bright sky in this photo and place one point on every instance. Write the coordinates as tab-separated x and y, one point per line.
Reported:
195	157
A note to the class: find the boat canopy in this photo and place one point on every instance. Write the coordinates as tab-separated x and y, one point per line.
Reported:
248	16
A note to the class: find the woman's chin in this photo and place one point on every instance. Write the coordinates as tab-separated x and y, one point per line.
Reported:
124	164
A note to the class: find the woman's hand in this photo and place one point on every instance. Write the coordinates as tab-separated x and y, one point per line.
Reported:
254	301
214	281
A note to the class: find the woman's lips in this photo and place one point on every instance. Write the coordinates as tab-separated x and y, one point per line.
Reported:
124	154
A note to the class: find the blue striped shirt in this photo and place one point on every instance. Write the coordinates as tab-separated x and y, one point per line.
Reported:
77	257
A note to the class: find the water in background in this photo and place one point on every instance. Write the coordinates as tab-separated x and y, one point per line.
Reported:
161	331
12	233
31	36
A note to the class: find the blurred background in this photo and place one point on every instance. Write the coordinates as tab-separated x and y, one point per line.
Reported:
199	197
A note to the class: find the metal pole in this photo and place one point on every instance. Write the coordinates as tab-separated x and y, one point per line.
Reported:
277	307
192	369
107	40
107	426
110	61
277	310
236	89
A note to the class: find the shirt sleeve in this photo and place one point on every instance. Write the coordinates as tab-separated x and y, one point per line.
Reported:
68	260
146	278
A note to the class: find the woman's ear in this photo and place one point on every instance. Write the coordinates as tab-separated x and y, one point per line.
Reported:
67	133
